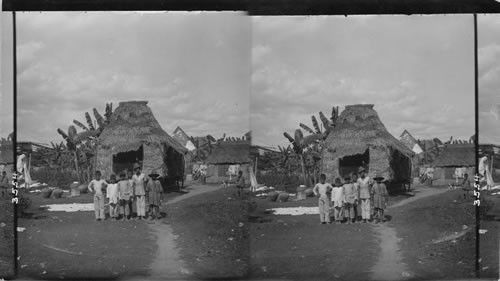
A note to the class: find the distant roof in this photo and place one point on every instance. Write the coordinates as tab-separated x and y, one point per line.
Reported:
31	145
488	149
180	136
456	155
230	152
407	139
258	149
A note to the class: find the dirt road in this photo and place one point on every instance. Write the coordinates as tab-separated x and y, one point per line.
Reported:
390	264
167	261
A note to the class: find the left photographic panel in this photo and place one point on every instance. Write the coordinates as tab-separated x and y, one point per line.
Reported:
7	223
134	128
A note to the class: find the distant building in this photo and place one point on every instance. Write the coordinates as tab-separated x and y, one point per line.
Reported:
409	141
183	138
30	147
453	162
228	156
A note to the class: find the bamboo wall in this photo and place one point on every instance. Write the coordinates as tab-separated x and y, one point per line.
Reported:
153	159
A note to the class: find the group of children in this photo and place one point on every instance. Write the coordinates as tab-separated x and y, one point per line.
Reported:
344	198
131	189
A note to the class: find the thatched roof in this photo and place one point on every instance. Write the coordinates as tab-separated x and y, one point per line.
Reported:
456	155
358	129
132	125
230	152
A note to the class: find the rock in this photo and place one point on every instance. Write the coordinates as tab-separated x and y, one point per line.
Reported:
2	224
309	192
273	195
405	274
46	192
283	197
57	193
83	189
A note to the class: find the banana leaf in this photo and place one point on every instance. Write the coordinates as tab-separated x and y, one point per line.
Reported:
79	124
89	121
63	134
325	121
98	118
287	135
306	128
315	124
109	112
298	136
72	134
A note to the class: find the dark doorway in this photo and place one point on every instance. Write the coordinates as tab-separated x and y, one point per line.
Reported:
174	161
126	160
351	164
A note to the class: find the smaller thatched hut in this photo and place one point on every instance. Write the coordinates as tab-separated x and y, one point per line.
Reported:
135	136
226	154
455	159
361	139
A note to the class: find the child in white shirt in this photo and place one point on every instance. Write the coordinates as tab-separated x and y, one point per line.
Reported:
112	195
338	200
96	186
321	190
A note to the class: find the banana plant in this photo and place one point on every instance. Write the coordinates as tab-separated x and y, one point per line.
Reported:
304	145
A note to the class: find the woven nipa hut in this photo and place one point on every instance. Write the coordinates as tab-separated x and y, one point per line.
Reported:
361	139
135	136
453	162
228	157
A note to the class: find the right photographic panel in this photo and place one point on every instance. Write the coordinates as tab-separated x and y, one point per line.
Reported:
489	142
363	147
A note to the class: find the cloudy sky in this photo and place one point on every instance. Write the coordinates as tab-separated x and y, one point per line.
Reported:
489	78
417	70
6	97
193	68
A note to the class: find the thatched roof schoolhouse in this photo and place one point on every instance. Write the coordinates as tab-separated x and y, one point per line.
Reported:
361	139
135	136
225	154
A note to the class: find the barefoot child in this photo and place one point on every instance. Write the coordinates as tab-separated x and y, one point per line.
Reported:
240	183
337	200
380	196
139	192
112	195
320	190
124	195
154	191
466	185
96	186
350	200
364	183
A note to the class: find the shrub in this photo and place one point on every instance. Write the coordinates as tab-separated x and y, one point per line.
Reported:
280	181
56	178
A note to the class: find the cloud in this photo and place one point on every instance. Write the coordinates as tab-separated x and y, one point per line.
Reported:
417	78
192	68
489	78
